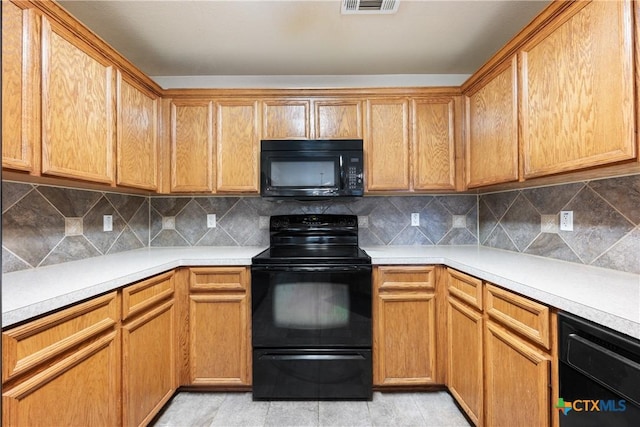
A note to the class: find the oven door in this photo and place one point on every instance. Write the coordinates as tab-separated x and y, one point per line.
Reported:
311	306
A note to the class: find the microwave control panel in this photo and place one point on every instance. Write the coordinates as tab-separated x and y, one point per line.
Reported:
354	173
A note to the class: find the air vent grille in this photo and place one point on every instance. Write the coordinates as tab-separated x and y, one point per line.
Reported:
350	7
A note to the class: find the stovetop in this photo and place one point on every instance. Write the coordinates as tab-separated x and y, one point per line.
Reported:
313	254
313	239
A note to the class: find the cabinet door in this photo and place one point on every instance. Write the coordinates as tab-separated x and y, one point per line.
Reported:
148	364
387	144
238	141
517	377
64	369
137	137
338	119
464	356
20	83
577	83
404	326
78	108
285	120
491	148
219	322
192	146
433	140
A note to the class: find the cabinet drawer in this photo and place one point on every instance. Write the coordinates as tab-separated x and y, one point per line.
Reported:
465	287
138	297
218	279
404	277
41	340
519	314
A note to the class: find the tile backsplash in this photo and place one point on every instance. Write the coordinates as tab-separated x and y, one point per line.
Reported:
606	222
43	225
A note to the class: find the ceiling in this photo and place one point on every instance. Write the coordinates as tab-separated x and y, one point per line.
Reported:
296	38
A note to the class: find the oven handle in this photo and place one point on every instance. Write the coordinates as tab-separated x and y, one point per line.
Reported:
303	356
312	269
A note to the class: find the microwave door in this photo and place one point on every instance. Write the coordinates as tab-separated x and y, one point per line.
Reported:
304	176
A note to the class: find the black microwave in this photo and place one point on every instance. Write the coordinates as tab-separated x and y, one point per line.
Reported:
309	169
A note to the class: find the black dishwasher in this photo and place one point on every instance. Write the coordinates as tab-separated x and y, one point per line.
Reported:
599	373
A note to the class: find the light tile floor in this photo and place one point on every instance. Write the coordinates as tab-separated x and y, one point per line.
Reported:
238	409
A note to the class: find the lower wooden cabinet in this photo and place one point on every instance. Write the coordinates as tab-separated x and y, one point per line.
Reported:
500	354
517	378
404	329
219	321
148	349
64	369
465	346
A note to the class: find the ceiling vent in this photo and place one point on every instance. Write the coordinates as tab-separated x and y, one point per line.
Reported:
360	7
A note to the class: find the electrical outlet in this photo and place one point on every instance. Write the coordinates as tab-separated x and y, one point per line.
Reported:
566	220
415	219
107	223
211	220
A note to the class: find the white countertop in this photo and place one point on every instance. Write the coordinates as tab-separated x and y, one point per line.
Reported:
608	297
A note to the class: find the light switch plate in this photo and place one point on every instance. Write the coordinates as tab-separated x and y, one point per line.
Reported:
107	223
211	220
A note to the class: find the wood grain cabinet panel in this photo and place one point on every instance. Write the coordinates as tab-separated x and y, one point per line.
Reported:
20	88
404	331
74	353
433	142
465	358
238	142
577	82
137	136
286	119
78	108
517	377
220	327
491	148
338	119
387	144
192	146
148	363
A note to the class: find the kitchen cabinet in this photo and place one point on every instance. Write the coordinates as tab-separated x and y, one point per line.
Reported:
465	344
491	140
404	325
577	90
518	345
148	348
433	143
387	144
20	88
78	108
338	119
192	131
137	136
238	142
286	119
219	322
73	353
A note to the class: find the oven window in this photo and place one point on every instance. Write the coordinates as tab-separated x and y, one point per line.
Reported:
311	305
319	173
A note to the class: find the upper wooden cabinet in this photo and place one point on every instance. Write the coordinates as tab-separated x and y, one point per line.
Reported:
286	119
387	144
238	141
433	143
338	119
137	137
20	88
78	108
577	90
491	140
192	146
